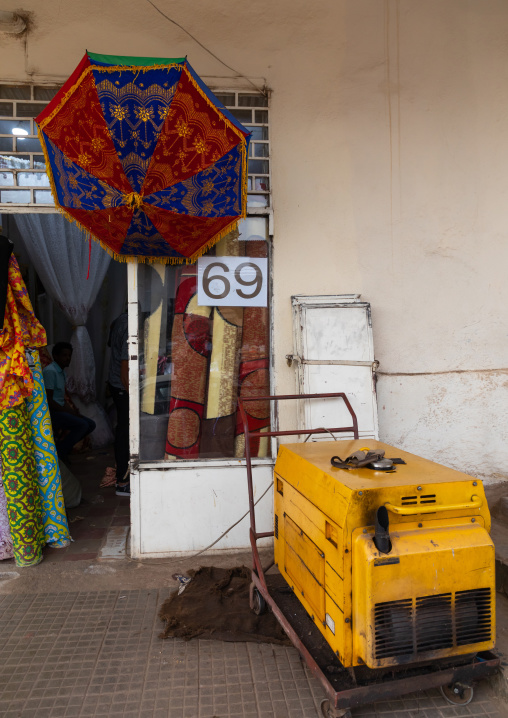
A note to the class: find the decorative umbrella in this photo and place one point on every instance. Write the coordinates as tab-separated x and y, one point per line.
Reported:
141	154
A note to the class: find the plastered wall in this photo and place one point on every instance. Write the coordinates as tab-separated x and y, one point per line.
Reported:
389	132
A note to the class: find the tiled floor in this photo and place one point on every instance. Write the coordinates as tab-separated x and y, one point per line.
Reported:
83	655
98	653
100	510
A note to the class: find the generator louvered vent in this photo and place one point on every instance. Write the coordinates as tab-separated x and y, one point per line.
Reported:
434	623
472	616
394	628
276	526
415	500
426	624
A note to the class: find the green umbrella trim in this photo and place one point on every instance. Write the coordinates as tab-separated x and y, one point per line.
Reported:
135	61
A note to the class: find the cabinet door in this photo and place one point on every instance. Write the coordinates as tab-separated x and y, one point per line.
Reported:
334	351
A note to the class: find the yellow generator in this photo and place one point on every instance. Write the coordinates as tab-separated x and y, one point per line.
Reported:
421	587
386	579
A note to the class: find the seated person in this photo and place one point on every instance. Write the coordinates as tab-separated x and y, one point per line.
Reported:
63	415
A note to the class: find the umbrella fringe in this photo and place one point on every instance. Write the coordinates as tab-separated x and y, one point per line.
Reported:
141	259
172	260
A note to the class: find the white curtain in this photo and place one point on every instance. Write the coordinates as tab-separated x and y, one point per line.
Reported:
60	252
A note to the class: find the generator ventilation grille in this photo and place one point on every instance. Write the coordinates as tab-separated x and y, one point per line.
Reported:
429	624
415	500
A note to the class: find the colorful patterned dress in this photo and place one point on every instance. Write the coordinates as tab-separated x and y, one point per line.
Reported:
21	330
20	485
48	471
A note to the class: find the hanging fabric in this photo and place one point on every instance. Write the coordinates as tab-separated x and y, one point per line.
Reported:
190	355
56	530
254	374
218	434
6	550
20	486
21	330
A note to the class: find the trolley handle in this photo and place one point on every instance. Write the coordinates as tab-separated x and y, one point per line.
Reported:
254	536
333	395
251	434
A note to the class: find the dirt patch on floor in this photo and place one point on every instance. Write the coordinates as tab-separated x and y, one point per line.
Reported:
215	604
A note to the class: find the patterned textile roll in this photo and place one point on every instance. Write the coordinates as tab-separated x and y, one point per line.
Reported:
218	433
6	550
21	330
152	339
54	518
20	485
254	374
191	350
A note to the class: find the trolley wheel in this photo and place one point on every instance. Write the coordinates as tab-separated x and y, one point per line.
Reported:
458	694
258	603
329	712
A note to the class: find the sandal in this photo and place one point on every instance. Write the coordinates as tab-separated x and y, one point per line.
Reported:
109	478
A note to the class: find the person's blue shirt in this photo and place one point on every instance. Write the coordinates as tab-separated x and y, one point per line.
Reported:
54	379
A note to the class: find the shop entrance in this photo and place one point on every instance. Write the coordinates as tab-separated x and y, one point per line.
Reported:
76	291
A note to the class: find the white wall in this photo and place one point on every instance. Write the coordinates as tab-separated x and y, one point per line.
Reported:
390	155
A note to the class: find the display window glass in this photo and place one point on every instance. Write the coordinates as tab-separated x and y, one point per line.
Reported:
204	341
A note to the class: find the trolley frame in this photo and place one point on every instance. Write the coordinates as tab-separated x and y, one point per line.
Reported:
480	666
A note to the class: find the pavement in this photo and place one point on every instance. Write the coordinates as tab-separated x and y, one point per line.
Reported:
80	638
98	653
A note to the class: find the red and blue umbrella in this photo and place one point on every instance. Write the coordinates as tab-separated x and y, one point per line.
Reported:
141	154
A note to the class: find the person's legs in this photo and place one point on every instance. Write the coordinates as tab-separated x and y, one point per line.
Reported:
122	452
91	424
77	426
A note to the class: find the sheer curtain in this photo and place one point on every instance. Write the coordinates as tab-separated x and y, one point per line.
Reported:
60	252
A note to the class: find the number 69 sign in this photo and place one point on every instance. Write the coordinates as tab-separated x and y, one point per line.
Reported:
232	282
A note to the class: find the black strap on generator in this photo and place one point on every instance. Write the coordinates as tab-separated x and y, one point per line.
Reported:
357	460
361	459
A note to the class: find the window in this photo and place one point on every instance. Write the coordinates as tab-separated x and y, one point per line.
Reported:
196	360
252	111
23	180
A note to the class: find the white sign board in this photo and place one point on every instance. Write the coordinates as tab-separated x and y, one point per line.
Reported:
232	282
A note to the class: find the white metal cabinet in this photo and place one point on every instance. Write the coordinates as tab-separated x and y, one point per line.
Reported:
334	351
